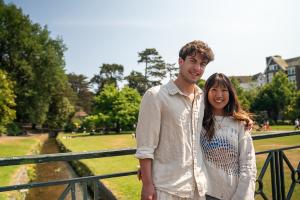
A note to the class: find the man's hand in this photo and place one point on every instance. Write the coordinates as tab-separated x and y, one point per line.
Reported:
249	124
148	192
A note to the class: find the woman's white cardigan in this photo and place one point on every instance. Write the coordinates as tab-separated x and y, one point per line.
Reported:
230	161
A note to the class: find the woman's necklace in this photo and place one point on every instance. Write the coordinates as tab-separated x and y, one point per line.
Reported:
219	122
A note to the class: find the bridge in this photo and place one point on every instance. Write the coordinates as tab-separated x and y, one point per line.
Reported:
276	161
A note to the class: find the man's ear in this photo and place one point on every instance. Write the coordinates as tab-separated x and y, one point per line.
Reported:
180	61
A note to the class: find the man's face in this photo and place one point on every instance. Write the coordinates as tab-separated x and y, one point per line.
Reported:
192	68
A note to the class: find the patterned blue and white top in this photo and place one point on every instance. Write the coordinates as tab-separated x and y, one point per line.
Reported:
230	161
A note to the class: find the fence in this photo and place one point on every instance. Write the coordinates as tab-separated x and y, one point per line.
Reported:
275	162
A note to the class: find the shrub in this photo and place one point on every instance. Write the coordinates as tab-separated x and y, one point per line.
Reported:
13	129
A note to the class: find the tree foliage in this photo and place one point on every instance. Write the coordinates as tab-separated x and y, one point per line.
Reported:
7	101
172	70
275	97
243	96
293	110
115	109
33	60
108	74
155	67
137	81
84	96
201	83
126	107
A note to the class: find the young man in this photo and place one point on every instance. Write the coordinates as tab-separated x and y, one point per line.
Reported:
168	130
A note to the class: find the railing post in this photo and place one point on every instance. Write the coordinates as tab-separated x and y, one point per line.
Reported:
282	175
277	176
273	178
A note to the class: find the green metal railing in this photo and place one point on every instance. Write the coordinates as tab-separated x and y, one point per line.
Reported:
274	161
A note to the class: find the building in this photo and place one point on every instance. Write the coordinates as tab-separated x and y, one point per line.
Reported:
289	66
249	82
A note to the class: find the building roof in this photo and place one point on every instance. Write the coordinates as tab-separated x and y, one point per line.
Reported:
255	76
281	62
242	79
293	61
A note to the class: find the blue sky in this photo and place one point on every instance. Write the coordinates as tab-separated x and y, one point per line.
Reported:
240	32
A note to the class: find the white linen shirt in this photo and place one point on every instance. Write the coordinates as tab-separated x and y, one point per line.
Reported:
168	132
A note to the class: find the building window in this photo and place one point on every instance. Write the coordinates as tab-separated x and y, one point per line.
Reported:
291	71
270	77
292	79
272	67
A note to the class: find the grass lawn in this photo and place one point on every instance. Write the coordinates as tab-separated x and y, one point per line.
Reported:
282	128
124	187
292	155
276	128
129	187
14	146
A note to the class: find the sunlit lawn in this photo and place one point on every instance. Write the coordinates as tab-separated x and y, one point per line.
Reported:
15	147
129	187
292	155
276	128
282	127
124	187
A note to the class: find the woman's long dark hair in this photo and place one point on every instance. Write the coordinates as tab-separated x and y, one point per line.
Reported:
232	109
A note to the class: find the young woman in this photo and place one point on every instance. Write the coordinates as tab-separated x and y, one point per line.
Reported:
228	149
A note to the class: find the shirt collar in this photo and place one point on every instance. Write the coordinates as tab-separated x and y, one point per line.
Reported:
173	89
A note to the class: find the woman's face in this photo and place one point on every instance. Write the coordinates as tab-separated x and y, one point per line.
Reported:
218	98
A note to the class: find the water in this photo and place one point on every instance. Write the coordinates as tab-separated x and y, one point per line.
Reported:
52	171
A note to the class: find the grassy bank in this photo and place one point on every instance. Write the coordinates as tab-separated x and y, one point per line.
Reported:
15	146
129	187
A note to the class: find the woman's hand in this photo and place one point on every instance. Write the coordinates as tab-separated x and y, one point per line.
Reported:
249	124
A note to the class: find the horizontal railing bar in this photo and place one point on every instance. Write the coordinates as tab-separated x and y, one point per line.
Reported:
274	135
280	149
19	160
31	159
65	181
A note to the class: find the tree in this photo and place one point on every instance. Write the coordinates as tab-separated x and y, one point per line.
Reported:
137	81
242	96
33	60
172	70
275	97
294	107
201	83
15	47
108	74
7	101
248	98
115	109
84	96
292	110
61	106
49	80
60	110
103	106
155	68
126	108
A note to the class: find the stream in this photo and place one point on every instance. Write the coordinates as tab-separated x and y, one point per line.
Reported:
52	171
